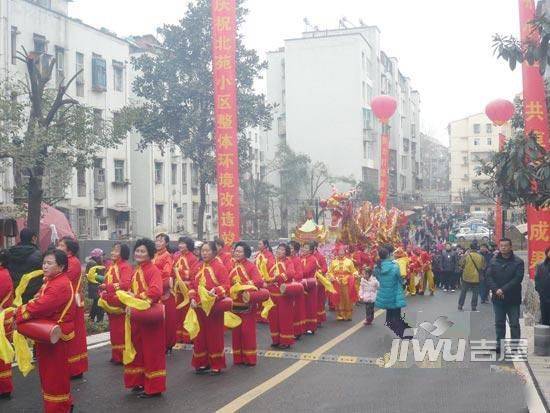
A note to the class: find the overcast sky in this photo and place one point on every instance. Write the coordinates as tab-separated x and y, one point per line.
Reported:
444	46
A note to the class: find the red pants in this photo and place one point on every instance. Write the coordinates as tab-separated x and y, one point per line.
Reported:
170	320
53	369
300	315
321	299
77	351
116	330
149	366
281	320
311	309
244	339
208	346
182	336
6	385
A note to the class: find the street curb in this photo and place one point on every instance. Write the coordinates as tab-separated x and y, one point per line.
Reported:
537	386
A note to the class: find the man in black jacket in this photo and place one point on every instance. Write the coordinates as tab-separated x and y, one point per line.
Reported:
448	266
24	258
504	276
542	285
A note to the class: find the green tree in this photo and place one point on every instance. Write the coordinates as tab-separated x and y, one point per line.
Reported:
45	134
176	83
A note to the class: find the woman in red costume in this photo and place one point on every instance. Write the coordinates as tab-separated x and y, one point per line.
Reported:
54	302
184	262
78	350
311	265
300	300
118	277
164	262
244	272
264	259
146	374
6	300
281	318
208	346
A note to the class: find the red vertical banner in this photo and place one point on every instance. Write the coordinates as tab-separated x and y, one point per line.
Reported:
224	68
536	121
498	206
384	167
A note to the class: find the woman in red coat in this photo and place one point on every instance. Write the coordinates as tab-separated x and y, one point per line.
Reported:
146	374
164	262
184	261
300	300
208	346
244	272
6	299
311	266
264	258
78	351
54	302
281	318
118	277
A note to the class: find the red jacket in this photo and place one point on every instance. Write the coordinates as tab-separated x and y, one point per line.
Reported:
147	281
119	272
322	261
298	268
55	302
245	272
163	261
214	276
74	272
265	255
184	265
6	288
282	271
311	264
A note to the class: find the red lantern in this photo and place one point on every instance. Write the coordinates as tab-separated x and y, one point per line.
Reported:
500	111
384	107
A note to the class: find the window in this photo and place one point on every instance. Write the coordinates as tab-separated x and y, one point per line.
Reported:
184	178
14	34
119	170
174	174
39	44
477	128
476	141
405	161
59	65
80	78
98	120
103	224
413	130
367	119
369	94
364	89
159	214
81	181
489	141
118	76
158	172
364	149
489	128
99	73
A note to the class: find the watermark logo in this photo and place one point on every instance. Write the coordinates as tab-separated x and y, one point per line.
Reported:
428	347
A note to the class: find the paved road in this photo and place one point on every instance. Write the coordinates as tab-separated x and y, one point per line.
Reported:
344	384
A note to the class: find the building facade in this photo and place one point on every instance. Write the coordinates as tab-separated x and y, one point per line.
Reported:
322	84
471	139
434	161
98	201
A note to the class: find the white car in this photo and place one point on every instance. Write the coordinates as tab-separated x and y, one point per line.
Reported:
468	234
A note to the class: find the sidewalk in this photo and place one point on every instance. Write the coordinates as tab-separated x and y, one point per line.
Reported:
538	366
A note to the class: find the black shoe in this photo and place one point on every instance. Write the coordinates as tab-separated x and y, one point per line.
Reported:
474	309
274	345
137	389
298	337
148	396
460	309
78	376
202	370
284	346
215	372
5	396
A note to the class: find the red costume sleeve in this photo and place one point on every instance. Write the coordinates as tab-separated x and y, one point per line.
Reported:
74	270
310	267
222	275
322	262
6	287
254	274
290	272
126	273
298	269
165	264
153	278
55	296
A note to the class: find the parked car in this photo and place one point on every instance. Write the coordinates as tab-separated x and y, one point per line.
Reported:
469	234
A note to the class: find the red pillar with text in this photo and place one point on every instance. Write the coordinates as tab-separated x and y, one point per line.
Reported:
536	121
224	47
384	107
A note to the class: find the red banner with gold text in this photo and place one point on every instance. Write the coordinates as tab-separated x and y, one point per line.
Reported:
536	120
384	168
224	47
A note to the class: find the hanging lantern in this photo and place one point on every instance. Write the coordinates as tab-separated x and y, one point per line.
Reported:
383	107
500	111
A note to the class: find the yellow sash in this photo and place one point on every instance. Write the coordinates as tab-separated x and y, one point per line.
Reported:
23	284
6	350
266	307
109	308
191	323
92	272
325	282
